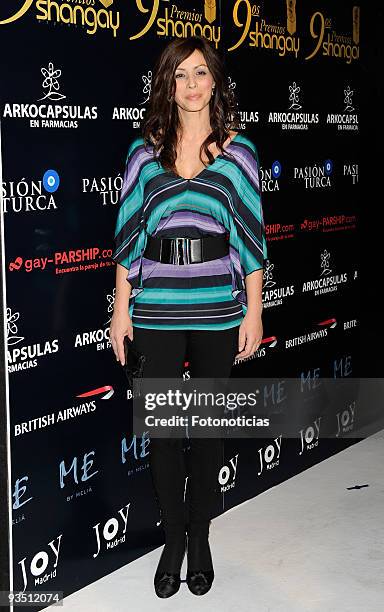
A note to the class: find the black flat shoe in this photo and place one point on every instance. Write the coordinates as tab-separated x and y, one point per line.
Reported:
199	582
167	577
166	584
199	556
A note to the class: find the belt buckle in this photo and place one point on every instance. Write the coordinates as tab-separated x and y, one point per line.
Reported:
178	251
186	251
196	250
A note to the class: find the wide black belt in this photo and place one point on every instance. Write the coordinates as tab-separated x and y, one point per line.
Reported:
181	251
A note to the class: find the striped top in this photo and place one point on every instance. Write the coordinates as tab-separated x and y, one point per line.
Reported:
225	197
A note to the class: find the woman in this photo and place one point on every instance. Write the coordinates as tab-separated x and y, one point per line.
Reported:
190	232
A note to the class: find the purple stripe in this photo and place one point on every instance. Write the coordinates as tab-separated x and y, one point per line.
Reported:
134	267
132	170
248	163
207	268
193	316
183	218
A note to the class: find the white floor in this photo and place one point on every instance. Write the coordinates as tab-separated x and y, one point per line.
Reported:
306	545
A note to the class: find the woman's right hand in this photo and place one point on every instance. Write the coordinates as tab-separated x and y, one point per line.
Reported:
121	325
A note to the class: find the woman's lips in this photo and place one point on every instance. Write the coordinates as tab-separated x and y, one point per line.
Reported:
193	97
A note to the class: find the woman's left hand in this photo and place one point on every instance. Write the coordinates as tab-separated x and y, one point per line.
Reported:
250	335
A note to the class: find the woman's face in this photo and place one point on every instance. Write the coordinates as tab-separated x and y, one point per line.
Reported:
194	82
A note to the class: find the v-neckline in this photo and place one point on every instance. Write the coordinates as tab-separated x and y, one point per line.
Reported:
192	178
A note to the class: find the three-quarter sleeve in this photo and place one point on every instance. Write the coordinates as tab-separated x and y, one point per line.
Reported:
248	245
130	231
129	217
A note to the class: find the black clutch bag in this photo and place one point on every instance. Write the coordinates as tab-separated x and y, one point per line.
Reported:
134	361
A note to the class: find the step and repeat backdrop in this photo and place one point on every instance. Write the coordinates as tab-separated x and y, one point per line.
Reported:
75	80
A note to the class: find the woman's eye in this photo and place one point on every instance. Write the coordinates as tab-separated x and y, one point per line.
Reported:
199	72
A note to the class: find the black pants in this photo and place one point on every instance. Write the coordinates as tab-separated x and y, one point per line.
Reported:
211	354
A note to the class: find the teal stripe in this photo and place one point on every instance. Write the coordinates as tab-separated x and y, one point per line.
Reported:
248	259
137	142
204	295
228	168
213	326
251	199
129	207
161	211
203	203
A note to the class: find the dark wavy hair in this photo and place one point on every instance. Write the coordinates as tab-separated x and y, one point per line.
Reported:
161	123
